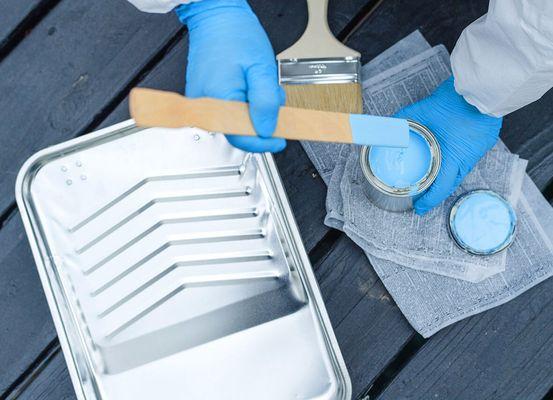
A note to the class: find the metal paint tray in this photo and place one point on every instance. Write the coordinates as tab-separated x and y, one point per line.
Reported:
173	268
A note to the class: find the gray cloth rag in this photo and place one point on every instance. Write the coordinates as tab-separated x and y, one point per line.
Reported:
432	281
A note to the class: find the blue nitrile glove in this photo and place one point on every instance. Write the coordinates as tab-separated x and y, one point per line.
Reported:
464	134
230	57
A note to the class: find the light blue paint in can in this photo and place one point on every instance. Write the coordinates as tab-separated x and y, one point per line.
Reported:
402	167
397	176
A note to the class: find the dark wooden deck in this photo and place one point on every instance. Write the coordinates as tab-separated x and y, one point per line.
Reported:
66	67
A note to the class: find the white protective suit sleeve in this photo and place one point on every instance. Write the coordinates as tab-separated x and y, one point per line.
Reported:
158	6
504	60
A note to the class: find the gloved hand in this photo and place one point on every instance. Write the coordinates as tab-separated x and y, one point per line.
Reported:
231	58
464	135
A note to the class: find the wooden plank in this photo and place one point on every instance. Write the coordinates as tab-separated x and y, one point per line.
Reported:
66	71
504	353
369	327
13	17
528	132
26	327
441	22
306	192
54	385
300	181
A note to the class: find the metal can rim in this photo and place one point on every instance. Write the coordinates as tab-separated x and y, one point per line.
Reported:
453	211
419	186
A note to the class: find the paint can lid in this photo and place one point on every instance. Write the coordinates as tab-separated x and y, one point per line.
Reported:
482	222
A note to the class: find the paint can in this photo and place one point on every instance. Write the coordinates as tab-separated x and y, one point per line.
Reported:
483	223
399	195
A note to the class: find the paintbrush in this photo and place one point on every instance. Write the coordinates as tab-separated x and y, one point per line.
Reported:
157	108
319	72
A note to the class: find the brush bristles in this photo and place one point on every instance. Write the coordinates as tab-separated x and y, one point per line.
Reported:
340	97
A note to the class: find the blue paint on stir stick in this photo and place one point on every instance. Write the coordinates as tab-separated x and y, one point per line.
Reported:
402	167
373	130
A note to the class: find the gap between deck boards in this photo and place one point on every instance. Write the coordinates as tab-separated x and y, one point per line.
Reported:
27	23
33	371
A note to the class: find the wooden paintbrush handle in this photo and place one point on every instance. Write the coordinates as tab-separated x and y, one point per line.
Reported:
317	41
151	108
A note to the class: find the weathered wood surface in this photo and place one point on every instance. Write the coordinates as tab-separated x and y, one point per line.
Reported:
529	133
67	71
26	327
14	16
369	327
441	22
54	385
504	353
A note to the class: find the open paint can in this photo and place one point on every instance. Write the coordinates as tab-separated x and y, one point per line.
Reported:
398	176
481	222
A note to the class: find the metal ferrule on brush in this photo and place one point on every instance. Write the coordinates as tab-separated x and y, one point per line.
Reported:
319	70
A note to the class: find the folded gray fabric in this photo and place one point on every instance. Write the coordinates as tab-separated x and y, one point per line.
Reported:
421	295
416	242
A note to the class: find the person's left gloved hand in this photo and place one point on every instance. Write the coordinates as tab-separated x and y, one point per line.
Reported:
464	135
230	57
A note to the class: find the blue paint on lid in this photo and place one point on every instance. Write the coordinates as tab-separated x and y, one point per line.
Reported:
482	222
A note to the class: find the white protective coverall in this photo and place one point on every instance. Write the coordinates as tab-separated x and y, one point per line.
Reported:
502	61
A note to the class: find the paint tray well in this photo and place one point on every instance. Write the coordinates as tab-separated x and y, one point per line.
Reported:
173	268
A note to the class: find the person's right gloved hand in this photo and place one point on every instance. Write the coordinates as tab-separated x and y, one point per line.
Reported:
230	58
464	135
